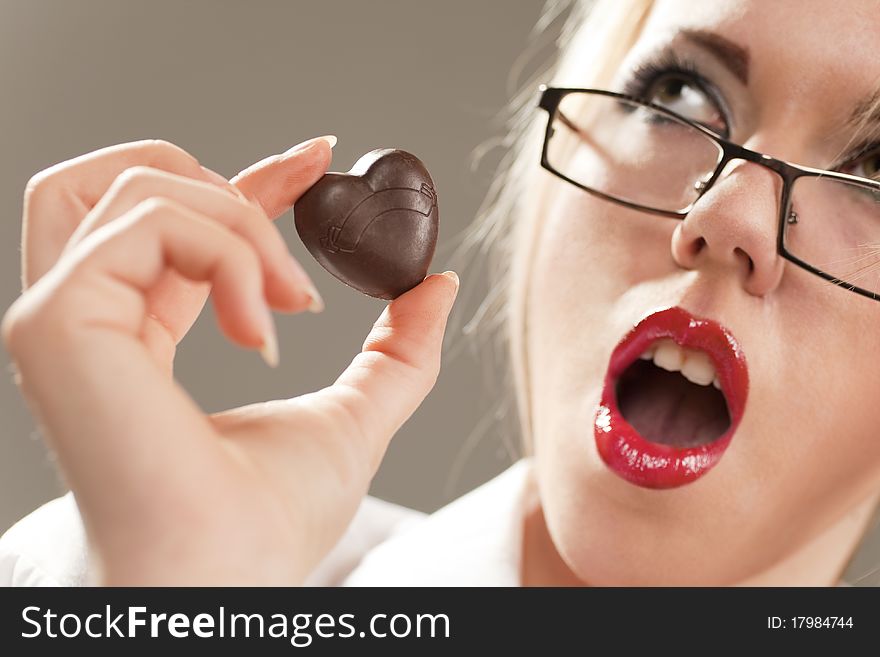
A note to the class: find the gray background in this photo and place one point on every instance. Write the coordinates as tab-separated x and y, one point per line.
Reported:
233	82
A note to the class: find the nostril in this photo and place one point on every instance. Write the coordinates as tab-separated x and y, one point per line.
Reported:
751	262
699	244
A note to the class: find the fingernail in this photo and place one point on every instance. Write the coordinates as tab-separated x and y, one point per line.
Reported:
317	304
220	181
240	194
452	276
215	177
330	139
299	148
303	279
269	350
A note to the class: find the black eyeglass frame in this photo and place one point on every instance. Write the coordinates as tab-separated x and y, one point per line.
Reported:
549	100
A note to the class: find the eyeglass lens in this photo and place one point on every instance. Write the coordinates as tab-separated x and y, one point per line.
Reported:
632	153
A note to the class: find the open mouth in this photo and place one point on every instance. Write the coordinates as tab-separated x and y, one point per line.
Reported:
668	396
674	394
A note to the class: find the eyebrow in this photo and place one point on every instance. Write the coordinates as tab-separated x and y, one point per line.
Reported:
734	56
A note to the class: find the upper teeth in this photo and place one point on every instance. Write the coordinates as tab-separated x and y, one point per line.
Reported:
694	365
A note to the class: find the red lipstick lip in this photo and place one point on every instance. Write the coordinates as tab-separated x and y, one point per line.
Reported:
649	464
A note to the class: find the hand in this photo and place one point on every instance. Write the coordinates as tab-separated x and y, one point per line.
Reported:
62	207
169	495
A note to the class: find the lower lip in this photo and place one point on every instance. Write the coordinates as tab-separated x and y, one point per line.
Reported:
652	465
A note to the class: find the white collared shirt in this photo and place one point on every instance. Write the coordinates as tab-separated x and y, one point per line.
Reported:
473	541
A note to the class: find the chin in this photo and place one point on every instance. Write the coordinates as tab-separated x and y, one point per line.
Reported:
612	532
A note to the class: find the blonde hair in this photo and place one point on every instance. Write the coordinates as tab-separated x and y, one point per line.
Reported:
590	38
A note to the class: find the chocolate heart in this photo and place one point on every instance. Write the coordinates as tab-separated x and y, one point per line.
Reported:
375	227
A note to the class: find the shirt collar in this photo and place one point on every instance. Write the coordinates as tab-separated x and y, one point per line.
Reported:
475	540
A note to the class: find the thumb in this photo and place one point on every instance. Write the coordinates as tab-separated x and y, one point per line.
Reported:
398	364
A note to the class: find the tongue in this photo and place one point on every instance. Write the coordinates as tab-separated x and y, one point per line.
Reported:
664	407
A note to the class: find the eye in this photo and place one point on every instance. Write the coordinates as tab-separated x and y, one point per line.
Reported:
678	84
867	166
686	97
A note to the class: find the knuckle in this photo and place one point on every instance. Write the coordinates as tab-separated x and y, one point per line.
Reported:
21	323
162	148
12	328
154	206
136	173
415	361
425	377
162	154
423	371
152	209
134	178
37	187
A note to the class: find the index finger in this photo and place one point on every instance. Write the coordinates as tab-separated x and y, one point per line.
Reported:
277	181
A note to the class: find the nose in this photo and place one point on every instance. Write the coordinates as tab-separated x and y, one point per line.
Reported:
733	226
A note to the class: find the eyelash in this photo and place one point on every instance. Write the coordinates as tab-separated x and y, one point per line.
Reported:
860	152
648	72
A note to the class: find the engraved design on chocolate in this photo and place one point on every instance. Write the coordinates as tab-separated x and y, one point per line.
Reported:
375	227
345	236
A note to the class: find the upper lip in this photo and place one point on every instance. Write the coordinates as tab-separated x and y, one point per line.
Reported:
695	333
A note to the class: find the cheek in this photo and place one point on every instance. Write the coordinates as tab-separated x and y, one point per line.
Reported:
589	257
815	405
596	248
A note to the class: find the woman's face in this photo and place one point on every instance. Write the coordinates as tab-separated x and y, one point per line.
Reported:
806	449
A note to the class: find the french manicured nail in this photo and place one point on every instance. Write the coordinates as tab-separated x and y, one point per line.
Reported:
215	177
220	181
302	278
452	276
299	148
317	303
269	349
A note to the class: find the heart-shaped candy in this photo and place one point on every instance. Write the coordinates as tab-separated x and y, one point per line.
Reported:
375	227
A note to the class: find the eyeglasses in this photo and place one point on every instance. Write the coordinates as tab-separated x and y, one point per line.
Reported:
646	157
